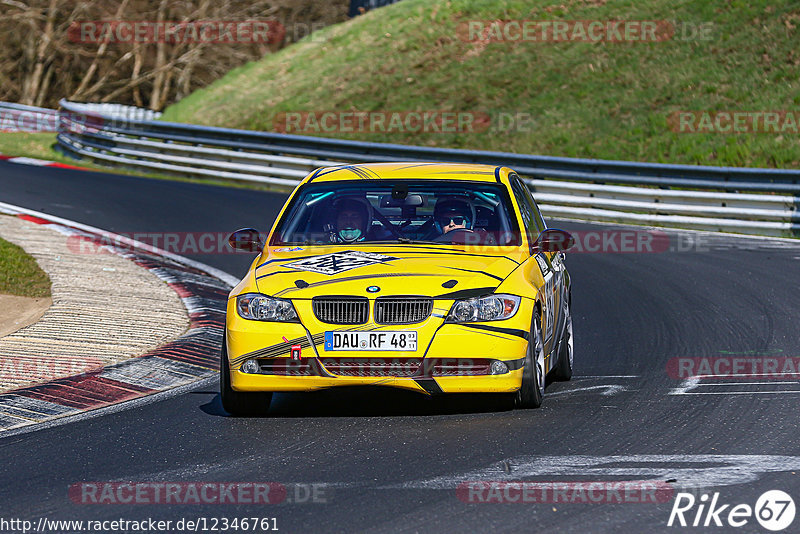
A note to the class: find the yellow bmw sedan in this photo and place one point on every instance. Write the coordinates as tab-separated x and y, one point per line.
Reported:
433	277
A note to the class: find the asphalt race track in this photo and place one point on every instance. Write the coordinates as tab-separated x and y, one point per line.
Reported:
390	461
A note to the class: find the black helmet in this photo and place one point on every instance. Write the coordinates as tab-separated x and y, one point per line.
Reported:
453	206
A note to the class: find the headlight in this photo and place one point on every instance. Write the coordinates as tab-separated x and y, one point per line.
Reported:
489	308
258	307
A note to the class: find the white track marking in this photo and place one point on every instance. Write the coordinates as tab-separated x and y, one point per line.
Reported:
695	382
30	161
776	383
687	385
720	470
751	393
611	389
576	377
606	389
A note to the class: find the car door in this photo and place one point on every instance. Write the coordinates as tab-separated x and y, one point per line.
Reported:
551	265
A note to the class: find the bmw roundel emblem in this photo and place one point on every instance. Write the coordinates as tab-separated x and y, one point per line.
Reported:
373	289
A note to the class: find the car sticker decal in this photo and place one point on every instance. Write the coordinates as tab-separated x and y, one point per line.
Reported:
350	279
355	170
275	272
478	272
282	348
273	260
273	351
549	303
338	262
415	250
504	338
428	164
312	342
510	331
480	173
544	265
323	172
361	172
497	175
316	173
347	279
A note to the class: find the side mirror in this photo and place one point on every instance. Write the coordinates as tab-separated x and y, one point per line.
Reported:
553	240
246	239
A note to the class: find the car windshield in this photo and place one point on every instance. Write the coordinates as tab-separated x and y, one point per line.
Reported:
399	211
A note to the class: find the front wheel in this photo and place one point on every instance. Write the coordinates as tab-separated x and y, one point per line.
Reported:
531	392
237	402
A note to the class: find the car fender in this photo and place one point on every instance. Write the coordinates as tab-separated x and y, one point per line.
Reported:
248	283
526	280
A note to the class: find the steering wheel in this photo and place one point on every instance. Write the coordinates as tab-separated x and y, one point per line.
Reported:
457	235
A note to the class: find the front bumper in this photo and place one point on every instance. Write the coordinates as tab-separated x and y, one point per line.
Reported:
508	382
450	358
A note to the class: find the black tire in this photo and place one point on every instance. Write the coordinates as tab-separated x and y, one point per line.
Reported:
563	368
531	392
237	402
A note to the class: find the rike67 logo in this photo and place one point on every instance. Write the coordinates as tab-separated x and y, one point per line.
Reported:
774	510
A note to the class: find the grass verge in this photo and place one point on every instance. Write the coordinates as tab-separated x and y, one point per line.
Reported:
20	274
596	100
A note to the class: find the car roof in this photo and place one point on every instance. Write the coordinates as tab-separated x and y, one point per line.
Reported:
408	170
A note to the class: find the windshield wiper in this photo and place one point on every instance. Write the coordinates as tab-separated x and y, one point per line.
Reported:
406	241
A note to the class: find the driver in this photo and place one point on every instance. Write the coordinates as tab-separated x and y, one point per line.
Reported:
452	213
353	217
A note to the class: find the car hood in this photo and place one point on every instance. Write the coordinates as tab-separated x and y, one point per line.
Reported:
441	272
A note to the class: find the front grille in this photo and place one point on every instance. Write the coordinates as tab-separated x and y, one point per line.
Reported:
403	367
458	366
402	310
341	310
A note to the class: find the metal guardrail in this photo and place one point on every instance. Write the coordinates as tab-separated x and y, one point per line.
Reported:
117	111
21	118
744	200
32	119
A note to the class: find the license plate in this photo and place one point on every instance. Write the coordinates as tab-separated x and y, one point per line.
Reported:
405	340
